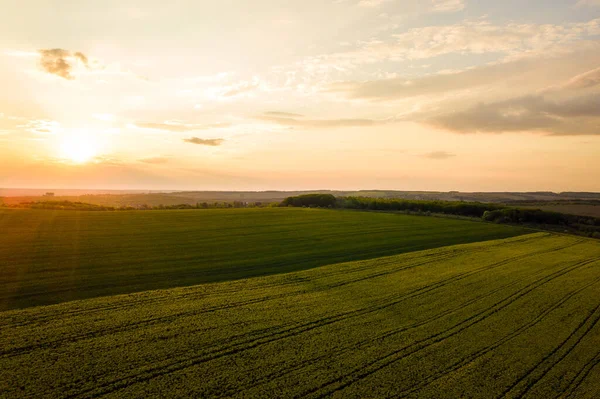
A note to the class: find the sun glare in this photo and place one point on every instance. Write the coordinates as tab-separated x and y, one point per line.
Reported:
79	148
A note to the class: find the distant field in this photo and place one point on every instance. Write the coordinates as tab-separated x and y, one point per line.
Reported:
572	209
510	318
117	199
54	256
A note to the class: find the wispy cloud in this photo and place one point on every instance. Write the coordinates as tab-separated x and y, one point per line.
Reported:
585	80
170	127
155	160
588	3
208	142
447	5
239	89
436	5
41	126
180	127
233	90
439	155
478	36
543	70
322	123
372	3
81	57
283	114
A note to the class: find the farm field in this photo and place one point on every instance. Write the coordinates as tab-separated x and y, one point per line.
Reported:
49	257
516	317
573	209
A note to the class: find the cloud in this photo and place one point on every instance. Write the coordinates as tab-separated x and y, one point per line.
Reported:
41	126
447	5
241	88
481	36
571	116
436	5
588	3
81	57
180	127
59	62
439	155
163	126
585	80
54	61
467	37
515	75
155	160
283	114
372	3
322	123
104	160
398	88
209	142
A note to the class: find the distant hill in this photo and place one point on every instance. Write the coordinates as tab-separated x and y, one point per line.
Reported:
155	198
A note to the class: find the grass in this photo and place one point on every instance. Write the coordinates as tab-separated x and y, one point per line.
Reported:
49	257
518	317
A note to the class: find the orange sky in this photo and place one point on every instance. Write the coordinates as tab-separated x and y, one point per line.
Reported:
340	94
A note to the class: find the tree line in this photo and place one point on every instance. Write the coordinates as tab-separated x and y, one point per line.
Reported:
84	206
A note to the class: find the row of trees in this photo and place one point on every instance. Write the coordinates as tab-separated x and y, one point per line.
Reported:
584	224
84	206
469	209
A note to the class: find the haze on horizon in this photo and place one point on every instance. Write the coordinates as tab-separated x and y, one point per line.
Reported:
337	94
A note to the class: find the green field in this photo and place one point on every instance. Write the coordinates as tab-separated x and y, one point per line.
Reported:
49	257
572	209
512	318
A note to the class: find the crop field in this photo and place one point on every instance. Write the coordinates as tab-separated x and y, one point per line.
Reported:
49	257
516	317
573	209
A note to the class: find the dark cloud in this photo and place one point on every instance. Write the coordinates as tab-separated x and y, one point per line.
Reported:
568	108
321	123
209	142
578	115
54	61
57	61
581	106
439	155
155	160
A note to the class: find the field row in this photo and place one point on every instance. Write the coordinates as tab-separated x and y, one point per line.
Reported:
507	318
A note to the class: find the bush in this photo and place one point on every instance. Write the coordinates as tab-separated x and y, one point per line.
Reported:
310	200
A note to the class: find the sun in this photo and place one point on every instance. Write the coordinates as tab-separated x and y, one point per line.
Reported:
79	148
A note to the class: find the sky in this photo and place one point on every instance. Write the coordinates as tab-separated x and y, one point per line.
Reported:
330	94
